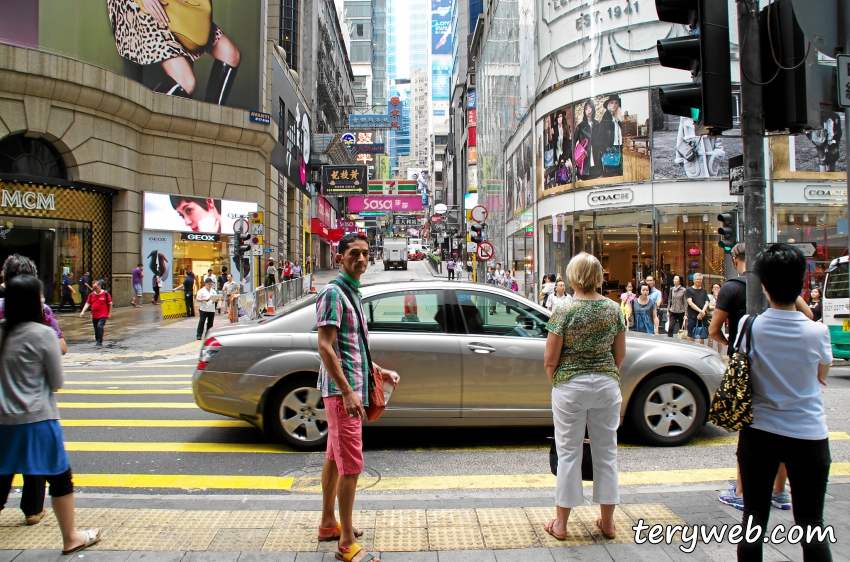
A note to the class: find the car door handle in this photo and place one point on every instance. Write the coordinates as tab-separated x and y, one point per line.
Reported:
481	348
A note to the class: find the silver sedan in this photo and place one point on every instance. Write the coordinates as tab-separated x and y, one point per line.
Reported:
468	354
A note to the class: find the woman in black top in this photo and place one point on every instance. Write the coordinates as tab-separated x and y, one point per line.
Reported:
816	305
589	129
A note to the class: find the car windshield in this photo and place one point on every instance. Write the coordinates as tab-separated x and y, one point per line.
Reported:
309	301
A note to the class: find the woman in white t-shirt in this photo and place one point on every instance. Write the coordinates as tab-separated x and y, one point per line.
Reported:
790	358
559	297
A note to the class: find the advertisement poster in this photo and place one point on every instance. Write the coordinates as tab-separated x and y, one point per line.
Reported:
818	154
596	141
157	258
441	76
184	213
214	58
421	178
519	170
678	153
441	27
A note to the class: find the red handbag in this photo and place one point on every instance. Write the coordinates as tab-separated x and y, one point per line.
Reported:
377	403
580	155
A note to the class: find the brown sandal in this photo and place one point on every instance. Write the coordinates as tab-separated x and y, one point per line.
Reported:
607	536
550	528
36	519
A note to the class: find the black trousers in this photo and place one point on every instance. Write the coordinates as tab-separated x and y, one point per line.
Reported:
190	305
451	274
807	462
66	299
677	322
84	296
98	324
32	497
156	294
207	317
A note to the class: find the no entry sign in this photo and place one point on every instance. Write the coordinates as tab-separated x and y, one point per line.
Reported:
485	251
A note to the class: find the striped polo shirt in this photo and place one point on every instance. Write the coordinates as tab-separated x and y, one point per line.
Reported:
334	309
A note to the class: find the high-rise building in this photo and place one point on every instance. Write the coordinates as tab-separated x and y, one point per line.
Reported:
392	38
379	55
358	16
399	145
420	28
419	119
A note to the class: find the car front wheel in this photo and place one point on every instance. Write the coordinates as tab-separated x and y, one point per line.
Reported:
296	414
668	409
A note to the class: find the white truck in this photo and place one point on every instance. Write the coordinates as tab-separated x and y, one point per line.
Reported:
395	253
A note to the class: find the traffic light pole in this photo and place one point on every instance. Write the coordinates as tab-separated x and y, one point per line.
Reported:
752	129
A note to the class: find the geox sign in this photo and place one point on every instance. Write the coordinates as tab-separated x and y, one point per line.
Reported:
27	200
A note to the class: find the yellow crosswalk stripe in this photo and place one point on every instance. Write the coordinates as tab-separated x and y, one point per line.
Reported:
178	481
186	376
133	382
462	482
156	423
109	405
124	391
173	447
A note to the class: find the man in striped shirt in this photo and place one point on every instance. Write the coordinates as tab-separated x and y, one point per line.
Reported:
343	380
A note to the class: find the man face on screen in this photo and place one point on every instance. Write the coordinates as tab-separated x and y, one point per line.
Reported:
199	214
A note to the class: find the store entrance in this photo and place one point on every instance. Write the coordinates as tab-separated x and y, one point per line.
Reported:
625	253
55	246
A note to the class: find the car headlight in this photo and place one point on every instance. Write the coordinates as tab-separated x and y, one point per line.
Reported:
718	364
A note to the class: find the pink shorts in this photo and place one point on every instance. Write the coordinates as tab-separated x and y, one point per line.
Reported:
345	437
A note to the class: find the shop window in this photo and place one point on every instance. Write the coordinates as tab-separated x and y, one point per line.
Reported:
30	157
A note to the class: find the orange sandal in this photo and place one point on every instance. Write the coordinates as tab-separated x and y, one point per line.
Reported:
337	532
347	554
606	535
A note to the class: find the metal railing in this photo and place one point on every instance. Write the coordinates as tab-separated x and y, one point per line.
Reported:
254	305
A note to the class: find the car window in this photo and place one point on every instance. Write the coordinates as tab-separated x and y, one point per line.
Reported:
500	315
407	312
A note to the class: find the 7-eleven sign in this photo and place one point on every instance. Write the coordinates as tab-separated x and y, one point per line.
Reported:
392	187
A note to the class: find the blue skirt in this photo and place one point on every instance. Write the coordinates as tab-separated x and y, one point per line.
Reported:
33	448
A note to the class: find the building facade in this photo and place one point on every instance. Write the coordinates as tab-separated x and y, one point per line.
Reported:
574	154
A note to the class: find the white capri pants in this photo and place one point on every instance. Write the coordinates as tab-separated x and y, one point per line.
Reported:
593	400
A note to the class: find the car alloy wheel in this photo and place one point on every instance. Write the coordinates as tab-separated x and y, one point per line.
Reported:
669	410
302	415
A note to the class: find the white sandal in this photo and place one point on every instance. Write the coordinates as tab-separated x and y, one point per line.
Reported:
92	536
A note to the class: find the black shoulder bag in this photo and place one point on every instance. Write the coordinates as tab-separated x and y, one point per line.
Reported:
732	405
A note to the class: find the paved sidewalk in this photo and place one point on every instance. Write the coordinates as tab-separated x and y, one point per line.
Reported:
474	527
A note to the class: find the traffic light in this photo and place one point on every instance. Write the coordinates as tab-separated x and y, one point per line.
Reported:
705	52
240	252
729	231
476	233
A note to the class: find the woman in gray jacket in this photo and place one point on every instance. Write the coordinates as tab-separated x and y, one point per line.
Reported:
30	373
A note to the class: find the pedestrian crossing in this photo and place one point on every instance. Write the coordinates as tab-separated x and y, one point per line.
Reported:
137	418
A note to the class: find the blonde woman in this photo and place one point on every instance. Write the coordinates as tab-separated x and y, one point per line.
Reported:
584	351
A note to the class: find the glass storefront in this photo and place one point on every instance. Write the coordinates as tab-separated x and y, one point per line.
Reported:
822	225
201	257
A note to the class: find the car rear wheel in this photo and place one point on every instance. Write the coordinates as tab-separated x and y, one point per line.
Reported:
296	414
668	409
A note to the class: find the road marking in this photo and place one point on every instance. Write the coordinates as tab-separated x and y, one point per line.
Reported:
137	382
125	391
155	423
177	481
107	405
174	447
186	376
179	350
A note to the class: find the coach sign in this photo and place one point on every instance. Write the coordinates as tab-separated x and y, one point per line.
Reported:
610	197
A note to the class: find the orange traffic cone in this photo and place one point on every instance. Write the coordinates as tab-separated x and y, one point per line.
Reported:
270	304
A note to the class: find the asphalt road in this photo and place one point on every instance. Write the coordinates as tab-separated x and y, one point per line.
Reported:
131	426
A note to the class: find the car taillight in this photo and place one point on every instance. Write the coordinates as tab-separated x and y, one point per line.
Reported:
207	354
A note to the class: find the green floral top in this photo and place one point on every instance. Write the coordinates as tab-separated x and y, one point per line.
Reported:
588	328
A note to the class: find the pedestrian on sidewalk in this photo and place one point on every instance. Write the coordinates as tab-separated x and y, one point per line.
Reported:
712	305
789	360
271	272
67	292
100	303
137	285
287	270
450	267
559	297
585	348
188	288
210	275
84	287
677	307
32	492
296	269
343	380
30	374
697	299
230	288
645	312
206	307
156	282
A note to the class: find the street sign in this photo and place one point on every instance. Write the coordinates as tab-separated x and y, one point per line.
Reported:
440	209
485	251
471	247
479	213
257	218
406	220
268	251
843	80
245	225
348	139
436	218
256	250
808	248
257	229
257	240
